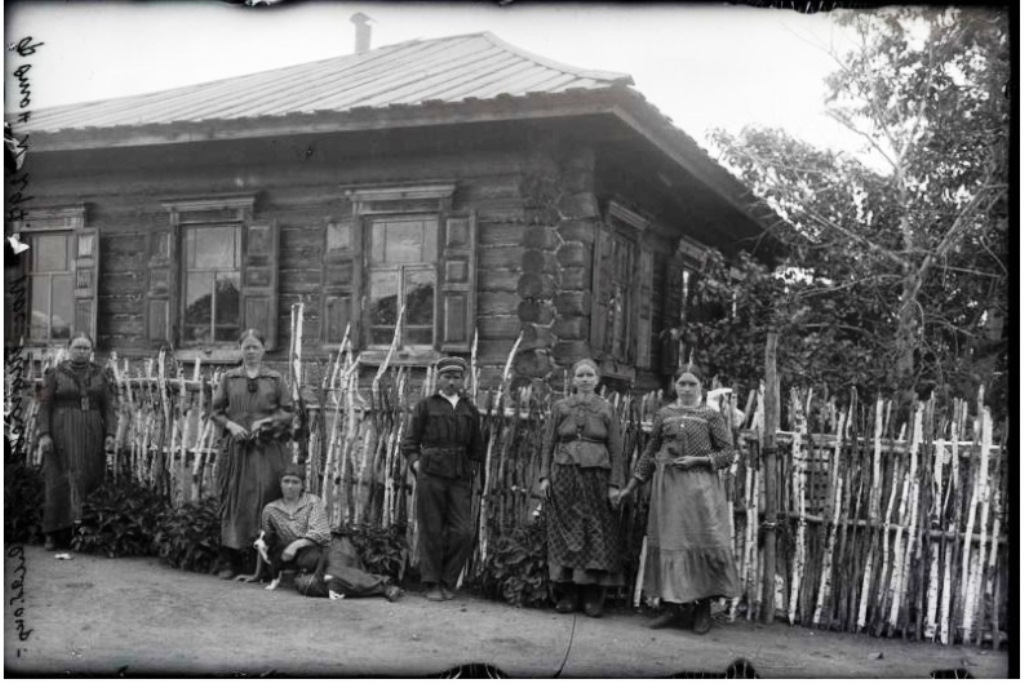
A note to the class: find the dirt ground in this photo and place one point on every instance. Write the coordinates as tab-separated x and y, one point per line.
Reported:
134	617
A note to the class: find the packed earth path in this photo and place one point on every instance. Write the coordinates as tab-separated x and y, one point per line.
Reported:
91	615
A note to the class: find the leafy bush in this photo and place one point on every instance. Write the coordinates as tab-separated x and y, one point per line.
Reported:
118	520
516	570
384	551
188	537
23	503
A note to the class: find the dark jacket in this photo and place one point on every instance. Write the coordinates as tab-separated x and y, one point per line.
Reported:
446	440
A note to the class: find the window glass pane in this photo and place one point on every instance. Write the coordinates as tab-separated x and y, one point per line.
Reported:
384	297
63	311
39	318
227	334
419	335
430	240
190	248
215	247
198	299
228	299
50	253
419	297
401	241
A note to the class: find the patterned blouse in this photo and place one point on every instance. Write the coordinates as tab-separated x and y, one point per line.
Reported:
308	521
585	433
679	431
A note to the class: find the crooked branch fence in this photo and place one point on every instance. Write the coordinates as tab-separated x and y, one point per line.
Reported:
892	517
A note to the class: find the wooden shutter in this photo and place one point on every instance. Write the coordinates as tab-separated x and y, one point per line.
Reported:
161	314
341	285
259	279
671	317
86	263
645	294
456	310
598	288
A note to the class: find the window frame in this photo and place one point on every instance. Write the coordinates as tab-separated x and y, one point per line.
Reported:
70	222
401	268
167	270
367	204
185	270
632	228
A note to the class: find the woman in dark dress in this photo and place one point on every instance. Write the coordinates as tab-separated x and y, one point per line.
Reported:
581	474
77	422
689	546
254	407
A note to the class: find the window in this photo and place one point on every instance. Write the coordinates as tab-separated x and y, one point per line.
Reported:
401	247
213	262
59	272
211	273
49	284
622	286
402	273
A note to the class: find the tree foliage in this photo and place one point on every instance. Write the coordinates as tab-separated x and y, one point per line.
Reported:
896	273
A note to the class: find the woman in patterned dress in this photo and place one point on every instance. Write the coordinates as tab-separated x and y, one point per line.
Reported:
253	406
689	547
77	421
584	442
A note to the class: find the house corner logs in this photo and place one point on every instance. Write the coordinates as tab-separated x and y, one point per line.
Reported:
554	285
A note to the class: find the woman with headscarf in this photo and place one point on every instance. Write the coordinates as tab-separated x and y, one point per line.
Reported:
689	547
253	406
77	422
581	473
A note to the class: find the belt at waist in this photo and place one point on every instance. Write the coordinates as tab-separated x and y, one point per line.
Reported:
443	450
76	403
583	440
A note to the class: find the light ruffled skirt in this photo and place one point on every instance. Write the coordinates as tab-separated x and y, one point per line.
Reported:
689	548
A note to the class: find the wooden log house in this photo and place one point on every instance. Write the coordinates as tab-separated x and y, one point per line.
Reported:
483	188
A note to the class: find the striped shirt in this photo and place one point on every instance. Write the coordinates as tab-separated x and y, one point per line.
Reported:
309	520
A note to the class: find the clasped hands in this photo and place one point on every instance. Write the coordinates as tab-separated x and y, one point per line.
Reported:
240	432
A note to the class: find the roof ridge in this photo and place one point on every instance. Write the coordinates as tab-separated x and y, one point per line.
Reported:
596	74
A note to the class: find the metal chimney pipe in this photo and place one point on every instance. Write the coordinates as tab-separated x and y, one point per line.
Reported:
362	23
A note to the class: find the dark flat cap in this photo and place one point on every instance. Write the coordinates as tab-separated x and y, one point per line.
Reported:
449	363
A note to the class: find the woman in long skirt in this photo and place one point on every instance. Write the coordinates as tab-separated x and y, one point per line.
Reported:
254	407
77	421
581	474
689	547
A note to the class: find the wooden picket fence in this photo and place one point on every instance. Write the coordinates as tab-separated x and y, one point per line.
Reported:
891	518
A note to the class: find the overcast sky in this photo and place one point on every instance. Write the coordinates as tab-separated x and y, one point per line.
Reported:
702	65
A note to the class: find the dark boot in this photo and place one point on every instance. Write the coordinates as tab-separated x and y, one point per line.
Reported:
669	617
702	616
593	601
567	603
227	563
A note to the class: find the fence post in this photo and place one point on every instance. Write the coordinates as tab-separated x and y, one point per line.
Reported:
771	474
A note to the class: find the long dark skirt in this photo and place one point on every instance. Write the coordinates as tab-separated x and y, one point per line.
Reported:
248	477
583	532
74	468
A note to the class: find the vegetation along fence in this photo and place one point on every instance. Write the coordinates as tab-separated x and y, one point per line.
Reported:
859	516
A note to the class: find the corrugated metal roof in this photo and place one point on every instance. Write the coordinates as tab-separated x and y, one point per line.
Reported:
475	66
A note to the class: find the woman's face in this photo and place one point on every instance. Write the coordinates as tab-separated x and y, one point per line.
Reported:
585	379
291	487
688	389
252	350
80	349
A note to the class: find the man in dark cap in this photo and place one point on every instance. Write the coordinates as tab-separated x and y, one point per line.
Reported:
444	447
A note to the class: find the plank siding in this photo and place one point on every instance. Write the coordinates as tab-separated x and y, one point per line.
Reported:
125	203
